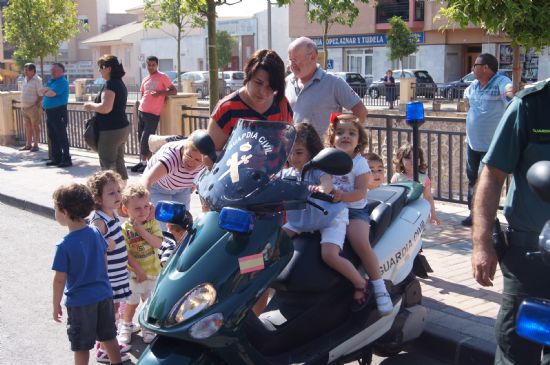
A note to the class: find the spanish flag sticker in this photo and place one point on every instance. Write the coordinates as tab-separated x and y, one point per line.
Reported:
251	263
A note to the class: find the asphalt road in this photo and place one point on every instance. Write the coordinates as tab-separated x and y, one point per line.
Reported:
28	334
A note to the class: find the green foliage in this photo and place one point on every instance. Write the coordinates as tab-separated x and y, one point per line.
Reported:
524	21
36	28
175	12
401	41
327	13
224	44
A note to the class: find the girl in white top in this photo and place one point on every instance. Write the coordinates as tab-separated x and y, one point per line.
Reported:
346	133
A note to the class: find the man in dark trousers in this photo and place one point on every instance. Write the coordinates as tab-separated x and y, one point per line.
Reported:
56	97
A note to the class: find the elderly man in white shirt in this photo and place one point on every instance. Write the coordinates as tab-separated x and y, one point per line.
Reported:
31	101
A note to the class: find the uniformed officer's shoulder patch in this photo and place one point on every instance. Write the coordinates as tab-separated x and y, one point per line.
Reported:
534	88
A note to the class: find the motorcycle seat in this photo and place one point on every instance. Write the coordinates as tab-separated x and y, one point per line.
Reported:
306	270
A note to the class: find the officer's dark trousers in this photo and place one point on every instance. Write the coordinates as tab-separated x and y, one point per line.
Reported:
523	278
56	123
473	160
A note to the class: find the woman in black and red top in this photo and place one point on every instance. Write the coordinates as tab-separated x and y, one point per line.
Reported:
261	98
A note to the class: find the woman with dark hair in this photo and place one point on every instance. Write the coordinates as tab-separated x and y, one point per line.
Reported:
262	97
110	113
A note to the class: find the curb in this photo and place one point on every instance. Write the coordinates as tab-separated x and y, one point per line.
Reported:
44	211
456	347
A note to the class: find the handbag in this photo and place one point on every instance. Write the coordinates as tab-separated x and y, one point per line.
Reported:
91	133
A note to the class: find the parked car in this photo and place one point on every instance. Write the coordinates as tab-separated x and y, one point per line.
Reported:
425	85
171	74
233	80
200	83
369	79
95	86
355	80
455	89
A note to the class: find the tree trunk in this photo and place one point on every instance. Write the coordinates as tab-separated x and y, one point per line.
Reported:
516	69
180	86
325	46
42	69
212	54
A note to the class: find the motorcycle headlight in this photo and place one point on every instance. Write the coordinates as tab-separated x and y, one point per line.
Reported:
192	303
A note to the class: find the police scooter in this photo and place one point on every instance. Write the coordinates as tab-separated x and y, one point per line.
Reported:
201	306
533	320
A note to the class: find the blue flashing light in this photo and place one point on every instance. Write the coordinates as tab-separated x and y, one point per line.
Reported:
236	220
415	112
170	212
533	321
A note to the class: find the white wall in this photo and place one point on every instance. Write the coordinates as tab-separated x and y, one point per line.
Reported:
431	58
544	64
454	59
380	62
192	48
279	30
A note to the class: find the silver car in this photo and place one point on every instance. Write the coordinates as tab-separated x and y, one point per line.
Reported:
233	80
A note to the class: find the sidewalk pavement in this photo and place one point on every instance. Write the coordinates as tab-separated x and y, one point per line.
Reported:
460	326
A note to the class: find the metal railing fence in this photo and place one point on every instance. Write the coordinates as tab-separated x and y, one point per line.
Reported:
76	126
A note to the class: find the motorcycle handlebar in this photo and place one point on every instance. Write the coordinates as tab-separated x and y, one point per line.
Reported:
322	196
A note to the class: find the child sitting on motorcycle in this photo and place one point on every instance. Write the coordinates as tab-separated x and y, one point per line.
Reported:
346	133
143	237
376	166
403	165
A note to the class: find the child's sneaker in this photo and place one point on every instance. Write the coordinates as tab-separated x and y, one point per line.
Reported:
384	303
124	348
148	336
125	333
101	356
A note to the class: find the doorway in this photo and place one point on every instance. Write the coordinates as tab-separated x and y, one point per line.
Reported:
472	52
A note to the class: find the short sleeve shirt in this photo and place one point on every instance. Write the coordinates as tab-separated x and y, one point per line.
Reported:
60	87
487	105
116	118
81	255
230	109
320	96
511	152
145	254
178	177
158	81
346	182
29	92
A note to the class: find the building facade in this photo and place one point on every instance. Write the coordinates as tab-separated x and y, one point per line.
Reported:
446	54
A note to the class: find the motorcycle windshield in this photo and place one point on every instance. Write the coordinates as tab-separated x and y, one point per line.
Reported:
255	152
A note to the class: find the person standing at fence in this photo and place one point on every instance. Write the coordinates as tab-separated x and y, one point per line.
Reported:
31	111
312	93
486	101
154	89
56	97
110	113
389	83
520	141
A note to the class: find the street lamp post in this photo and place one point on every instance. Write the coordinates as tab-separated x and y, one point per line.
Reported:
269	24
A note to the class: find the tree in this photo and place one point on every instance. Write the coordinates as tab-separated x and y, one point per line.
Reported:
224	44
174	12
400	40
36	28
207	9
327	13
524	21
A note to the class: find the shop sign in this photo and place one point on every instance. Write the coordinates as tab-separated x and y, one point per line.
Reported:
359	40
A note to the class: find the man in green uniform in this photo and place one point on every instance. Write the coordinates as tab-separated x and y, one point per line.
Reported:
521	139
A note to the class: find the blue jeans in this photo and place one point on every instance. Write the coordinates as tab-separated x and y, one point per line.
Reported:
56	124
158	193
473	161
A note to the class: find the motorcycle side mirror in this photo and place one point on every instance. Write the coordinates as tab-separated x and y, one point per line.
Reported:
538	178
330	160
204	143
